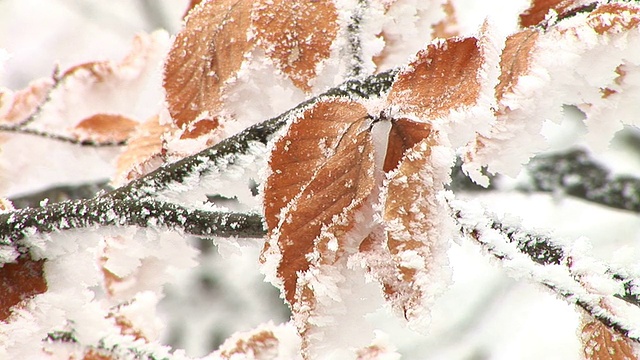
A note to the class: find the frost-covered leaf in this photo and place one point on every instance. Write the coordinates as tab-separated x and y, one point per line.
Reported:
447	27
515	60
104	128
413	220
206	53
15	107
540	9
143	152
296	35
443	77
321	173
20	281
192	4
614	18
600	343
267	341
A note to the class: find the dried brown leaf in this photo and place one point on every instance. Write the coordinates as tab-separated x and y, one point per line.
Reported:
296	35
208	51
321	173
442	78
20	281
258	345
600	343
104	128
408	215
515	60
539	9
192	4
94	354
16	107
614	18
446	27
143	152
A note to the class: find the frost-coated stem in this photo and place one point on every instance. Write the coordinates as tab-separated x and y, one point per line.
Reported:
574	173
598	289
134	204
104	211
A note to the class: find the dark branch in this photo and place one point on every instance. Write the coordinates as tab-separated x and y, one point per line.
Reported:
574	173
103	211
58	137
549	264
60	193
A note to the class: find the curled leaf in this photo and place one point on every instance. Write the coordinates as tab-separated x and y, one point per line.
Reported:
143	152
16	107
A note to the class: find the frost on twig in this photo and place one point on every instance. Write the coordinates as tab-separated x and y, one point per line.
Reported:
607	294
576	174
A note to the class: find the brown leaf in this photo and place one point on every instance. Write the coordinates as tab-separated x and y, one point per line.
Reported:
20	281
409	219
15	107
515	60
296	35
600	343
104	128
208	51
256	346
321	173
446	27
614	18
539	9
143	152
443	77
192	4
94	354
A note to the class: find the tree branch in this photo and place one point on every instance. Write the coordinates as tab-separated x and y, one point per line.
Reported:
136	203
574	173
572	275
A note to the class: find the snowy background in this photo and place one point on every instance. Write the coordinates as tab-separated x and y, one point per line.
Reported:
484	315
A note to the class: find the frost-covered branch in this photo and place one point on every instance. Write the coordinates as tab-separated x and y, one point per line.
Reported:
136	204
574	173
58	137
105	211
608	295
60	193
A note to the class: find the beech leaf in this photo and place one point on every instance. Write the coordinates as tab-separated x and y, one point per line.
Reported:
443	77
296	35
15	107
539	9
600	343
321	173
20	281
208	51
104	128
143	152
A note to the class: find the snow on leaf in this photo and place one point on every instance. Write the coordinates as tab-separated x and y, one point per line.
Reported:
15	107
600	343
443	77
321	174
267	341
540	9
143	152
447	27
104	128
614	18
192	4
296	35
20	281
208	51
414	240
515	60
